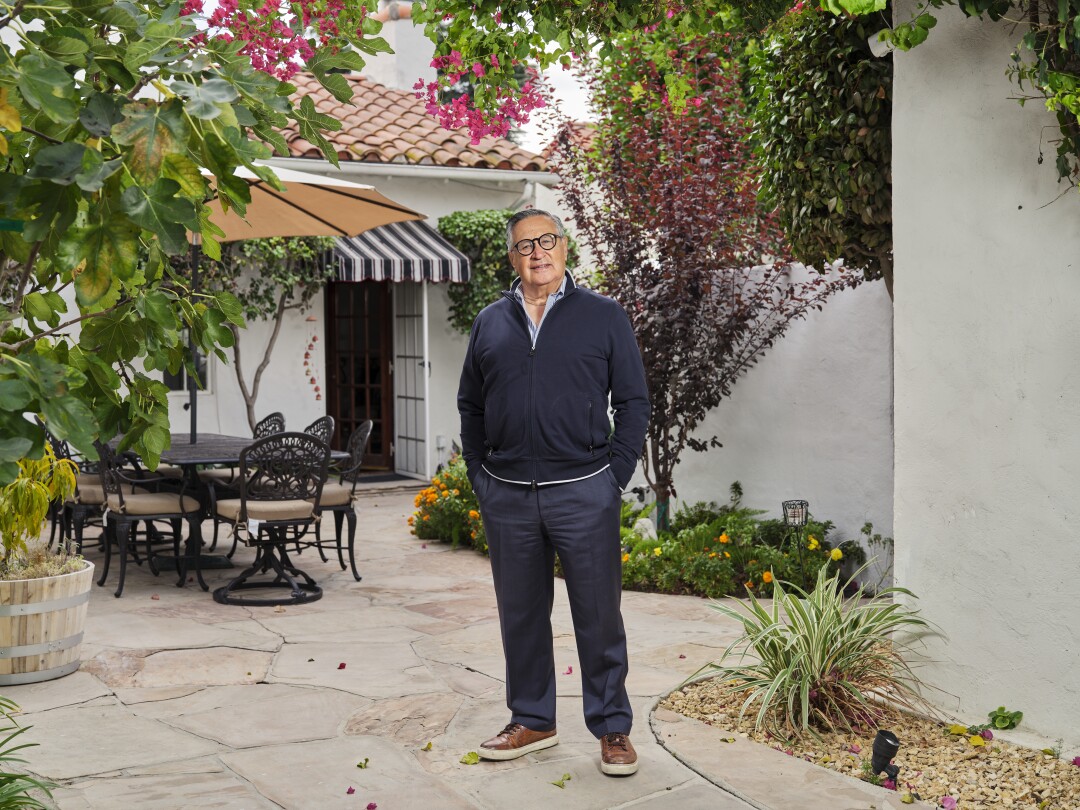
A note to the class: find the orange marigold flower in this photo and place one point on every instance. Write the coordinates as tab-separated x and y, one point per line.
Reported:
472	535
766	577
724	538
727	555
412	519
749	583
445	494
625	557
473	514
427	517
712	555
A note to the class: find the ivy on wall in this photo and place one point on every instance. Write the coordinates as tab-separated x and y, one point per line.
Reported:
822	118
1045	65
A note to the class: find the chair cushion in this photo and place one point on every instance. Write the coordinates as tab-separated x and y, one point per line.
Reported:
334	494
168	471
222	476
153	503
89	493
267	510
88	480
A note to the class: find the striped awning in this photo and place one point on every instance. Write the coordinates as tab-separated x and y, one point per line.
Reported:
401	251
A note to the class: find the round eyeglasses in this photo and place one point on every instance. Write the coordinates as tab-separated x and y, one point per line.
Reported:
546	240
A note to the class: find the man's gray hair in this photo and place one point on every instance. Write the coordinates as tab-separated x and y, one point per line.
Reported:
560	229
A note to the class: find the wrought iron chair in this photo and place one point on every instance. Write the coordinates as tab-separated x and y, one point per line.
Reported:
127	509
338	497
222	482
281	482
267	426
322	429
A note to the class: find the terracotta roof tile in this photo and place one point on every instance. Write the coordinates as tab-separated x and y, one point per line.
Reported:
392	126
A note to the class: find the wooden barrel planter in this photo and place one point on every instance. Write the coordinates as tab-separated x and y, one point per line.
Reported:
41	626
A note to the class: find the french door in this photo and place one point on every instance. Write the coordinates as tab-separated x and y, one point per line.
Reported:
359	384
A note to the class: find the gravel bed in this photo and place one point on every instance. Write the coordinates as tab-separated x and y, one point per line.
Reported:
933	763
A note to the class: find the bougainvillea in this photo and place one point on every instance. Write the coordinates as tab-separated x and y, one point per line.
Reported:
667	204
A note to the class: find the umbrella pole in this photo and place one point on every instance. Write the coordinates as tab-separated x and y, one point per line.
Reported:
193	407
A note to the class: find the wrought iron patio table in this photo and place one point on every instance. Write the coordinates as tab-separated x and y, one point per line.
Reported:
208	448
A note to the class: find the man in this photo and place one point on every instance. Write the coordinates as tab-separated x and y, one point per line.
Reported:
549	472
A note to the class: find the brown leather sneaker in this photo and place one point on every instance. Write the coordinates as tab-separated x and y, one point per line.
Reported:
515	741
617	755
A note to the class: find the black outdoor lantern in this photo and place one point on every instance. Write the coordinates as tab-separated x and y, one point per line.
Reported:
796	513
886	745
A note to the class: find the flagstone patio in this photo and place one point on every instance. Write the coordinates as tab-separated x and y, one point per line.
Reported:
182	702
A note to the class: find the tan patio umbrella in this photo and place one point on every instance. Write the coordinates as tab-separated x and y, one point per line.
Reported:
310	205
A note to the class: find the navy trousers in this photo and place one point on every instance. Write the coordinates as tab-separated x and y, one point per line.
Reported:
525	528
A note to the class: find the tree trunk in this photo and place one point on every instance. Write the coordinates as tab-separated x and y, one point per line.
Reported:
250	395
662	490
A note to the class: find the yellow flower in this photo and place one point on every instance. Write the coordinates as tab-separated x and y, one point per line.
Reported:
727	555
657	551
712	555
836	554
724	538
766	577
473	514
813	543
445	494
625	557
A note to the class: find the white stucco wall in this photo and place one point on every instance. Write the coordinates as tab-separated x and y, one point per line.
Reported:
986	379
812	420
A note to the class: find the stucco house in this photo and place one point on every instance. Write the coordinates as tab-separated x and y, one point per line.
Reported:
813	420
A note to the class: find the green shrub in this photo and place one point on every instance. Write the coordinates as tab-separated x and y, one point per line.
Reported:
820	660
822	121
15	787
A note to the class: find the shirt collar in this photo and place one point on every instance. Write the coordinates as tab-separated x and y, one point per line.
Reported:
559	293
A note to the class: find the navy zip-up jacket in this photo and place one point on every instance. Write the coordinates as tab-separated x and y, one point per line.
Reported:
538	415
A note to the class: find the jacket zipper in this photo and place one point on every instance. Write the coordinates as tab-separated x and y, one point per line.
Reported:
532	366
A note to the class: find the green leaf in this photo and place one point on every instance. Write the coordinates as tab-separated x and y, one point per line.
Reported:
231	307
96	170
157	209
186	173
70	417
14	395
14	449
58	163
157	307
152	130
204	100
46	86
312	124
101	113
39	308
470	758
115	70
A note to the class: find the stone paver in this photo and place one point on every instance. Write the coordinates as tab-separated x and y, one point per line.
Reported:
182	702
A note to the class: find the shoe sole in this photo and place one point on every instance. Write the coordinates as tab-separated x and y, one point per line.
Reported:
503	754
618	770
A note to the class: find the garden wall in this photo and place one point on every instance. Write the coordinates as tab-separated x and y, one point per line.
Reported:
987	382
812	420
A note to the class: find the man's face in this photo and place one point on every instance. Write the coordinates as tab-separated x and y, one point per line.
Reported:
541	267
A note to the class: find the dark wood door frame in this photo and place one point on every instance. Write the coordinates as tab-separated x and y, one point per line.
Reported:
359	352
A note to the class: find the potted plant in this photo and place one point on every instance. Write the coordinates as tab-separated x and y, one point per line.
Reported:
43	593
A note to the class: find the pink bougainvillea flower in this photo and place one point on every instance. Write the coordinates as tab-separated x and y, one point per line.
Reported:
681	655
372	806
478	69
986	734
341	665
948	802
889	784
855	748
1076	761
350	791
569	671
